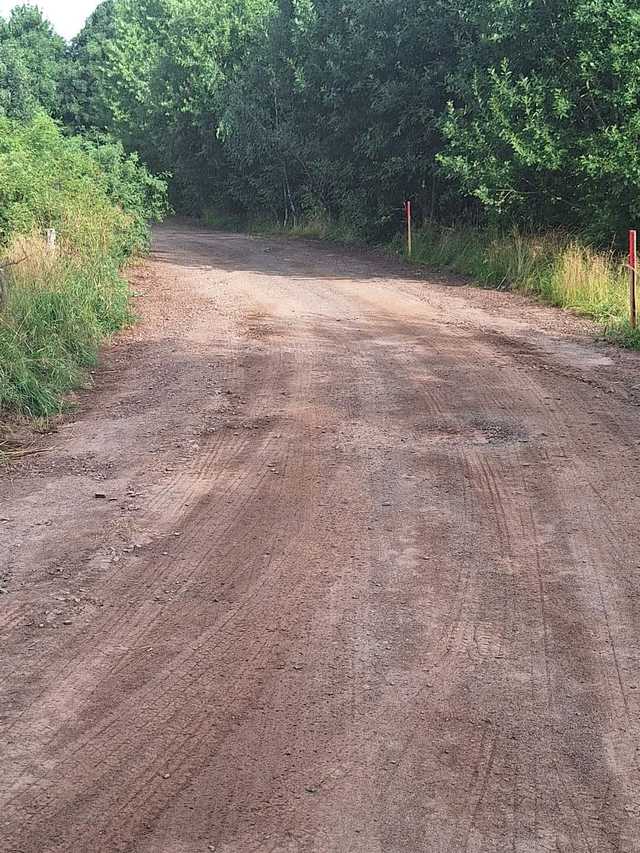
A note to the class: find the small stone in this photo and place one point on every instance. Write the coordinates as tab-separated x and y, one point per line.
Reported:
100	495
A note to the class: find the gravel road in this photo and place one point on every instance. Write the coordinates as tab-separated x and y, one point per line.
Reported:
333	558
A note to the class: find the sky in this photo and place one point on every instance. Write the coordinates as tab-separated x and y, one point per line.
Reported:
67	16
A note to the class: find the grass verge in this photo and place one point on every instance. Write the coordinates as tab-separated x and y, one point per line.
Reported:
59	309
58	304
554	267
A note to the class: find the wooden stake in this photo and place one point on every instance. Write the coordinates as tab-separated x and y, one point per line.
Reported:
633	277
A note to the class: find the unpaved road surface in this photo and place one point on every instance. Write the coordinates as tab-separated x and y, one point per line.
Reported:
364	578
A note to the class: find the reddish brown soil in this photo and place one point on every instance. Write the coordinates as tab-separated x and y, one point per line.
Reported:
365	578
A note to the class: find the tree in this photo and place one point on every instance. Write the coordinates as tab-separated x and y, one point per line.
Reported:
32	59
520	111
543	122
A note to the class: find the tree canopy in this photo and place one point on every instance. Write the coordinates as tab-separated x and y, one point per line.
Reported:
31	62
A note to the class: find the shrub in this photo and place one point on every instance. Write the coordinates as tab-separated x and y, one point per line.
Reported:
62	304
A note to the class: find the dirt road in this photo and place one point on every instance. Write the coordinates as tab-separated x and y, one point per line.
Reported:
331	559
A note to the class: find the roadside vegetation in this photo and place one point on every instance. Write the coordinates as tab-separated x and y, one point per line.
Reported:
492	114
557	268
60	302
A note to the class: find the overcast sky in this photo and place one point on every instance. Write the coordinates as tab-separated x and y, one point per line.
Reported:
67	16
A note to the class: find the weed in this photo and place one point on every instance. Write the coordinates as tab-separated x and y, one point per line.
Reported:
58	312
555	267
60	304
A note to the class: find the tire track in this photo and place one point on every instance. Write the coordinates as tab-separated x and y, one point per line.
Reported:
401	613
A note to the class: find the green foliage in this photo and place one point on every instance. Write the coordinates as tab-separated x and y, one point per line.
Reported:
283	107
153	73
559	269
503	111
85	98
131	187
32	60
49	180
62	304
50	331
543	121
335	113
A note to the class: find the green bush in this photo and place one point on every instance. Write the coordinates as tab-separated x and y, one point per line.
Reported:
61	304
96	196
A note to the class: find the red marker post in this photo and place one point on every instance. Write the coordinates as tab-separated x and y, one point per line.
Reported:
407	207
633	277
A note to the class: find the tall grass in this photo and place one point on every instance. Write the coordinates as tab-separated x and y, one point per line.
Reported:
314	228
555	267
62	303
58	311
